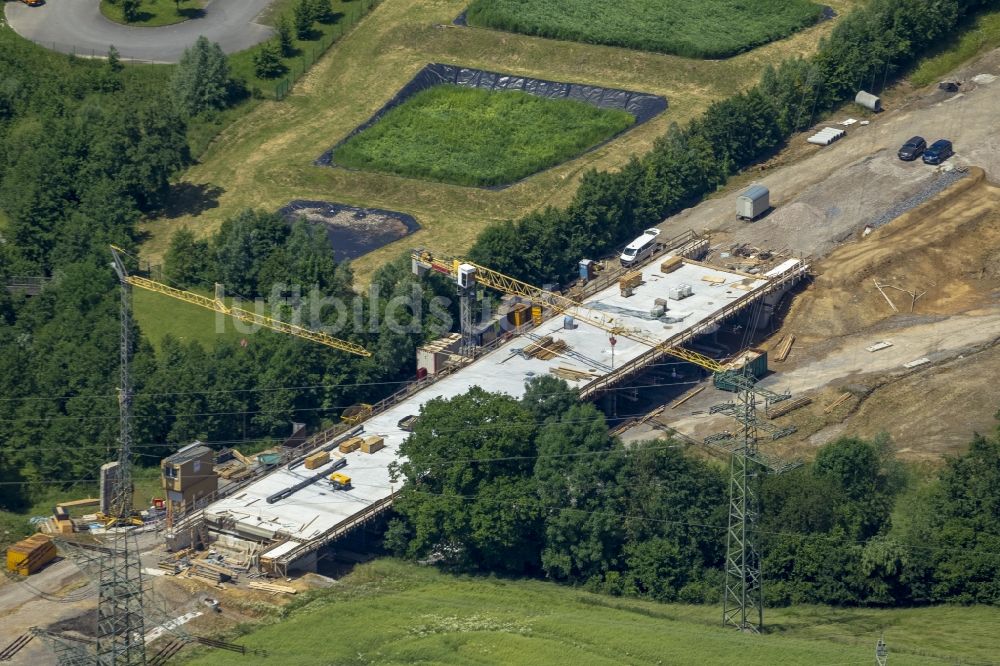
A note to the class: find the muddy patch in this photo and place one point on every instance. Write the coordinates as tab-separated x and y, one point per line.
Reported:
352	231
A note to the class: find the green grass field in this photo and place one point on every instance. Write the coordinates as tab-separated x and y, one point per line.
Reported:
468	136
155	12
389	612
265	158
159	315
695	28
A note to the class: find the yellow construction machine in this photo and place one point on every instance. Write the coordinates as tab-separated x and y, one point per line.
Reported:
340	481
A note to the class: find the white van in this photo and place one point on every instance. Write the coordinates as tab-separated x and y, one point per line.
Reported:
641	248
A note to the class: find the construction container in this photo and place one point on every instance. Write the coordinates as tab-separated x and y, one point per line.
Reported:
671	264
317	460
372	444
753	202
752	362
518	315
349	445
28	556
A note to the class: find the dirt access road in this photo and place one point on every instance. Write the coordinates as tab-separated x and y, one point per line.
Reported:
823	196
949	249
77	26
59	592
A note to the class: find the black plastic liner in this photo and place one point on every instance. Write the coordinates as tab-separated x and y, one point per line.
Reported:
352	231
642	106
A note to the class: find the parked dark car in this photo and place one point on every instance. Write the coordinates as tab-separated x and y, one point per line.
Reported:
939	151
912	149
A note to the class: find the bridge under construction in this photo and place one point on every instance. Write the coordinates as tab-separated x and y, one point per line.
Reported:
282	519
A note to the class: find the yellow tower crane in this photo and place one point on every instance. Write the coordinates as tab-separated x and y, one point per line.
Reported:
466	274
217	304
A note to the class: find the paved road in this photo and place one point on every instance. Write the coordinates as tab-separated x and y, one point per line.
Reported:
77	26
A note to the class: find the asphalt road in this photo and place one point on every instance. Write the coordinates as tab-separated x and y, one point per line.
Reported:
77	26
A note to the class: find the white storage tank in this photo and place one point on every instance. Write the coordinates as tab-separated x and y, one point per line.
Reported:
753	202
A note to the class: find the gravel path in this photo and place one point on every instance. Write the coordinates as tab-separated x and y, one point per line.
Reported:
77	26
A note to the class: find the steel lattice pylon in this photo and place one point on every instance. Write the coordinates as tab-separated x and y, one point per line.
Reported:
743	603
743	597
120	621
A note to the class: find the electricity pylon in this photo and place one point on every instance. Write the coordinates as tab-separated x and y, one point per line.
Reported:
743	597
120	621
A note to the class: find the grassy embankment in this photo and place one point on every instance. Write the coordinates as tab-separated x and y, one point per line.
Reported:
982	34
477	137
389	612
694	29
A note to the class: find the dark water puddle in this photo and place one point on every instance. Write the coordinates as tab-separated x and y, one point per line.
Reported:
352	231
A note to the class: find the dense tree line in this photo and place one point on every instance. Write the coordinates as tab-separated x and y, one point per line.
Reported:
537	487
87	149
868	48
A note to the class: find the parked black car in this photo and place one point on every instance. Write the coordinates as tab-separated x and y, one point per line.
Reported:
912	149
939	151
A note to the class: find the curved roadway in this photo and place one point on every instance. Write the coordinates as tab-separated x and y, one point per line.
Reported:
77	26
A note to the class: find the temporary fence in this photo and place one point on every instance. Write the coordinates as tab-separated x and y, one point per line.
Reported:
313	52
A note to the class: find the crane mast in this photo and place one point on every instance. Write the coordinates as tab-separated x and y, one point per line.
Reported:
218	304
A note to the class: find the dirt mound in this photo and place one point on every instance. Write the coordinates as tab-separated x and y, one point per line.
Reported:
946	253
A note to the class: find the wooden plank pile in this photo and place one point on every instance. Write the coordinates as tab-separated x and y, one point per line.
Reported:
784	347
787	406
672	264
273	588
572	374
629	282
545	348
212	573
844	397
350	445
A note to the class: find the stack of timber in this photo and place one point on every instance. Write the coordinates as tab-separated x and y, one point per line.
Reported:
317	460
233	470
272	588
213	573
372	443
350	445
629	282
545	348
170	567
672	264
572	374
29	555
784	347
786	406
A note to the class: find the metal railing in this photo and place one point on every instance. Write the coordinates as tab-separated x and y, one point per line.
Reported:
793	274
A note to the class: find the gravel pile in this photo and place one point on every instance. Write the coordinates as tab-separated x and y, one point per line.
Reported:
944	179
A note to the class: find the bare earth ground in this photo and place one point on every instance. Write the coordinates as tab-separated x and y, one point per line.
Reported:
265	158
949	248
947	251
